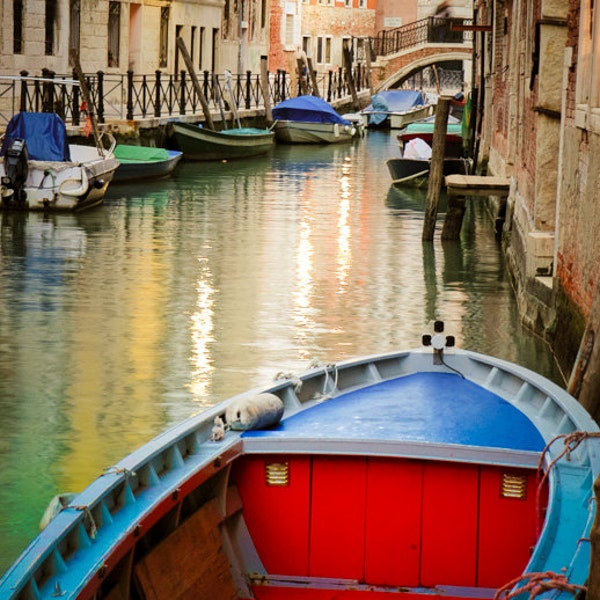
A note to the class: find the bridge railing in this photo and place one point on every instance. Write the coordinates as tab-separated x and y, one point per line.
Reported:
432	30
133	96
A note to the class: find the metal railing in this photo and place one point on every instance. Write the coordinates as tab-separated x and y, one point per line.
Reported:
133	96
137	97
431	30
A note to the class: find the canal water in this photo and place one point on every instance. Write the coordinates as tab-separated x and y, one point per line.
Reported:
119	322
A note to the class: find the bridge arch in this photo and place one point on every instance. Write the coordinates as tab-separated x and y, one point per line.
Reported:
409	63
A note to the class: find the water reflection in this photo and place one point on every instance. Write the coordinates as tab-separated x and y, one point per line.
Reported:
119	322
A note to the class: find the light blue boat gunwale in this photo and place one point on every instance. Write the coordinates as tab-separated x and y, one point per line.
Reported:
126	496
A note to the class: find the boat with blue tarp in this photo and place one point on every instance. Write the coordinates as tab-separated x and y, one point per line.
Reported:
311	120
435	472
396	108
41	170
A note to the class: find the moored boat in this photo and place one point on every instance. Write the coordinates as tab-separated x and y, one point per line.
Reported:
40	170
199	143
311	120
142	162
433	472
424	131
414	172
397	108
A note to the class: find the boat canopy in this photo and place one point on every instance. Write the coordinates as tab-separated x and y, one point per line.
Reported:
307	109
129	153
393	101
438	408
45	136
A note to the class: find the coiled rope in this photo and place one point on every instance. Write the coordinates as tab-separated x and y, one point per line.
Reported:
537	583
570	442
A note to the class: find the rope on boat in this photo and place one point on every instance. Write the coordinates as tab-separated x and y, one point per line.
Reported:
87	513
219	429
291	377
570	441
537	583
324	395
118	471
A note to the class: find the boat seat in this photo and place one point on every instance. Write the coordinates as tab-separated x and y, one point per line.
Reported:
279	587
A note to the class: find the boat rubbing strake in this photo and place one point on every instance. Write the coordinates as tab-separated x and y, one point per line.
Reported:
404	474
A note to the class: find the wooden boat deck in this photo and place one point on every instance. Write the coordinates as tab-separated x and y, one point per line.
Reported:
477	185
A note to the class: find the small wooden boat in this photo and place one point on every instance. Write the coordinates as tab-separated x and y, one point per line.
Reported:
198	143
311	120
40	170
414	172
394	109
424	474
142	162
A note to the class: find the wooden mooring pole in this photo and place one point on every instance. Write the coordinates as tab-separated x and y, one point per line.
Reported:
190	67
264	88
436	170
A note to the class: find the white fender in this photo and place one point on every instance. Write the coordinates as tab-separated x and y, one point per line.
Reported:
79	191
263	410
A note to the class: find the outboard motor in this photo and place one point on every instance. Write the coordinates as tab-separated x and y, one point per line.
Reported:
16	170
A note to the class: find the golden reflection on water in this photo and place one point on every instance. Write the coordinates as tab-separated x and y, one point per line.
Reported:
202	334
344	255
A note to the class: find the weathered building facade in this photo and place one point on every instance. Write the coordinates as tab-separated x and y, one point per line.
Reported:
115	36
318	29
537	69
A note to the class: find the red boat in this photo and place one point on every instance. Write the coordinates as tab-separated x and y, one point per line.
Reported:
432	473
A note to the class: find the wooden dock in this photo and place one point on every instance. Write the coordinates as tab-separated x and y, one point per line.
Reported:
458	187
477	185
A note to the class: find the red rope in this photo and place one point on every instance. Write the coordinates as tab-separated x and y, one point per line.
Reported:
571	441
536	584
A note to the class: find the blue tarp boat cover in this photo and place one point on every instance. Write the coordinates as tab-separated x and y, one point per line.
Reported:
390	101
45	135
307	109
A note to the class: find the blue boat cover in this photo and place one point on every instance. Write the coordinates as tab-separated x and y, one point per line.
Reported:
441	408
45	136
307	109
389	101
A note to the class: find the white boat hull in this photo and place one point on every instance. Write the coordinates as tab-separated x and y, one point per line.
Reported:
64	186
298	132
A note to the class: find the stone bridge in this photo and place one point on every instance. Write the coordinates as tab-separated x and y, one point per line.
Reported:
409	49
390	71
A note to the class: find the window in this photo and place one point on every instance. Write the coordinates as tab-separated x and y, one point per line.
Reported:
178	29
263	14
114	33
289	30
348	3
588	63
323	50
306	44
18	26
201	49
50	27
74	27
215	49
164	37
362	3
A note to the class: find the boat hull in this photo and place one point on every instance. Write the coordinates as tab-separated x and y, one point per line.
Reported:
300	132
198	143
147	169
409	172
398	473
64	186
